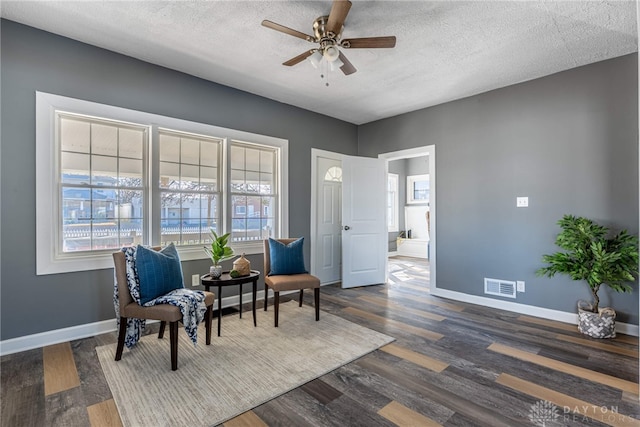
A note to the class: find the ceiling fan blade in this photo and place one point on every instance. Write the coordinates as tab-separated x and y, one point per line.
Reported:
347	67
338	14
287	30
299	58
369	42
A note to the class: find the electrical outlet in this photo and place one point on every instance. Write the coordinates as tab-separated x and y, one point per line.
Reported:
522	202
520	286
195	280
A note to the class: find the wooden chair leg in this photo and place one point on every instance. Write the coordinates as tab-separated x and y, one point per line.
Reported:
208	316
301	296
276	304
122	332
163	324
266	296
316	297
173	337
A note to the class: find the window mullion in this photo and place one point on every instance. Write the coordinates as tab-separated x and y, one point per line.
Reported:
225	187
152	183
276	191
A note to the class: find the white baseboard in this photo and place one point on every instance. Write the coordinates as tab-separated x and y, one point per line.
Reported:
333	282
57	336
392	253
42	339
530	310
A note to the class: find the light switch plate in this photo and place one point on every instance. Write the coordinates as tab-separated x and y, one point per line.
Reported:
522	202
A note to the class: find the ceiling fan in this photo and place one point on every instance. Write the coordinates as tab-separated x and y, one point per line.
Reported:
327	32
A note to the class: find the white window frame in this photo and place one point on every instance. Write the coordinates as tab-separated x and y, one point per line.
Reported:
48	261
411	181
90	185
393	226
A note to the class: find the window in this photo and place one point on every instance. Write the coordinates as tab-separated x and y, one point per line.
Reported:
253	191
114	177
334	174
418	189
392	202
101	186
188	187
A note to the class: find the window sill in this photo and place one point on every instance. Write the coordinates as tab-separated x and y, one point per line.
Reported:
71	263
193	253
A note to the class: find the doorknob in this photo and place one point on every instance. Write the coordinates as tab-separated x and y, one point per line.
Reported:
346	227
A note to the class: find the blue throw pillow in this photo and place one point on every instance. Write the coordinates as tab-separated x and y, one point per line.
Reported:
286	259
159	272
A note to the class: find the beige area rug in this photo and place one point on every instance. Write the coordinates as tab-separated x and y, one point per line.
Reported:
240	370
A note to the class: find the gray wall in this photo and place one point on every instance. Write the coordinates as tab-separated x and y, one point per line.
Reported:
417	166
567	141
35	60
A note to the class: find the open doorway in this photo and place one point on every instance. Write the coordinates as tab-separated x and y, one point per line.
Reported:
411	215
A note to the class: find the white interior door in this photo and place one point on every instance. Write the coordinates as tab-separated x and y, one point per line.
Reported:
327	242
364	229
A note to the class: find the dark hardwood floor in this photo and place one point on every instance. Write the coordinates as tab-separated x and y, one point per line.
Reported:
452	364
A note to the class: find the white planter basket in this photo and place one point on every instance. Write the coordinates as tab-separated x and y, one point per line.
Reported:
596	325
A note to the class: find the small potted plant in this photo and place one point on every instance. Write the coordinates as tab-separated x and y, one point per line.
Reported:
219	251
593	254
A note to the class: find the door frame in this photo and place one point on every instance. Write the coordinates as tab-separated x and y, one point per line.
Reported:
428	150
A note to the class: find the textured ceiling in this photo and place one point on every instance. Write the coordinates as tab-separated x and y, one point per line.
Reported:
445	50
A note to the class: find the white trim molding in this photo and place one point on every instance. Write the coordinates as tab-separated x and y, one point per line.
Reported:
29	342
529	310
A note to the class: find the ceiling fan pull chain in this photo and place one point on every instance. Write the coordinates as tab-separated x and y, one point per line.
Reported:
327	73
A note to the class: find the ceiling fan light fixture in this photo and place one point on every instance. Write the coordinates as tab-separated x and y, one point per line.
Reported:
336	64
331	53
327	32
315	59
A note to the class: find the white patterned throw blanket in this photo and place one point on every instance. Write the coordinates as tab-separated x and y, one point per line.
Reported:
190	302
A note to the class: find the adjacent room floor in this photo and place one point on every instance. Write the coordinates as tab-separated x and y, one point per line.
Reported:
452	364
409	272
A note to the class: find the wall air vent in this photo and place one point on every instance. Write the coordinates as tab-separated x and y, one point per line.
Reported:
502	288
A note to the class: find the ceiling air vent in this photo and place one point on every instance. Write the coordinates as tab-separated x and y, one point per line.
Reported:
503	288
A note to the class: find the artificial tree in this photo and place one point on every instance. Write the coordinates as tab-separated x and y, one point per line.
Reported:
593	254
